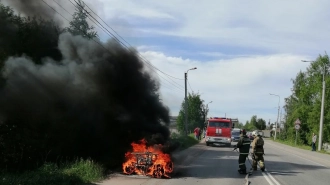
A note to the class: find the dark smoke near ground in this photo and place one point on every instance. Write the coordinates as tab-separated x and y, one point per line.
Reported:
80	100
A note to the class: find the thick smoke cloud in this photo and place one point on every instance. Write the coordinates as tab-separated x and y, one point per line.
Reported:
32	8
96	102
90	100
20	36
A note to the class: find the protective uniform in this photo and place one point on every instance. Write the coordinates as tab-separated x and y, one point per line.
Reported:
244	147
258	152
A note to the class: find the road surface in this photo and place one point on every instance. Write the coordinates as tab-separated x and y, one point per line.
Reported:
285	165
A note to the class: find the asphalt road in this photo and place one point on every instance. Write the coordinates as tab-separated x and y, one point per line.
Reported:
218	165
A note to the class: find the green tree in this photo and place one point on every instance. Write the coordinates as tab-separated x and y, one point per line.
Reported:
253	121
261	124
31	36
249	126
79	24
196	113
240	125
305	102
205	111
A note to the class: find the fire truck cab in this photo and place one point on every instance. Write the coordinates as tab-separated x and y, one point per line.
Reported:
218	131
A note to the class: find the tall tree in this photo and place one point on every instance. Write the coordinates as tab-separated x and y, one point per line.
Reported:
196	113
305	102
79	24
261	124
249	126
205	111
253	121
31	36
240	125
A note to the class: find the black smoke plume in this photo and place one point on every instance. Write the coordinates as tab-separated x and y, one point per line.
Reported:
84	99
32	8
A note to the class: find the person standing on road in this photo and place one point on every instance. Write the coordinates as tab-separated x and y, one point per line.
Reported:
200	134
258	152
196	132
314	142
244	147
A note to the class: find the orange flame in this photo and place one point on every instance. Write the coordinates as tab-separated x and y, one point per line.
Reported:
149	161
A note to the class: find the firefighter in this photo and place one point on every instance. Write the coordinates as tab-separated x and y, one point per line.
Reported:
258	151
244	147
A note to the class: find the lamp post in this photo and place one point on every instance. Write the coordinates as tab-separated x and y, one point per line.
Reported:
206	111
185	99
207	106
280	121
322	107
278	112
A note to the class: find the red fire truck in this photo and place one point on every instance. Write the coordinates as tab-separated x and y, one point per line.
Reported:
218	131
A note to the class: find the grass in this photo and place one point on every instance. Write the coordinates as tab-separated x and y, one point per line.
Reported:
183	141
301	146
79	172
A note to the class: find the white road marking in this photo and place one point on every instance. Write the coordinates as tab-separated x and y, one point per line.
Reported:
277	183
268	180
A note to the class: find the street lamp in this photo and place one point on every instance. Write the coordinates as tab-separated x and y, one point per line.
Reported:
278	112
208	103
322	107
185	99
207	106
281	121
206	111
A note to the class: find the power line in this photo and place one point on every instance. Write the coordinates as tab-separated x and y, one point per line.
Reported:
92	39
112	35
74	25
70	13
190	86
117	34
123	38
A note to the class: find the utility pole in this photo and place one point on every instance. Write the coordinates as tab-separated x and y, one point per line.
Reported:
280	121
322	106
186	99
185	103
322	113
278	112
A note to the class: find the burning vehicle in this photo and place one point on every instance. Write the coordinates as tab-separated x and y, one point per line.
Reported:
149	161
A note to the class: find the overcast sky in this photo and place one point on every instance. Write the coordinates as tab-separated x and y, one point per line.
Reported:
243	50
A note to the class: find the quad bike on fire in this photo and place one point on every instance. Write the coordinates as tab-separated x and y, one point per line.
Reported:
147	164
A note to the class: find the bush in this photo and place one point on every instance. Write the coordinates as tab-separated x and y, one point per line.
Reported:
182	142
79	172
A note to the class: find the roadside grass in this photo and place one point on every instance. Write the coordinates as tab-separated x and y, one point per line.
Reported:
76	173
182	141
301	146
79	172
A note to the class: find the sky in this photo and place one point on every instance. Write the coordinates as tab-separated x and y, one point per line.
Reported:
243	50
